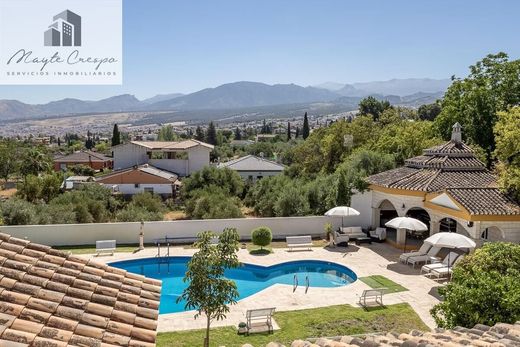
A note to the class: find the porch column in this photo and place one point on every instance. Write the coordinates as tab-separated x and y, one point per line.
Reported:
376	217
434	227
401	236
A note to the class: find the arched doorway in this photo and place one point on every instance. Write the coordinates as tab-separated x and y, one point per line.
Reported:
492	234
450	225
387	212
422	215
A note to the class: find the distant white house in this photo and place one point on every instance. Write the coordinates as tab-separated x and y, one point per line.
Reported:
139	179
182	158
253	168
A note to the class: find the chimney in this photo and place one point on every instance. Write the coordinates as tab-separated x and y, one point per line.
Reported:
456	133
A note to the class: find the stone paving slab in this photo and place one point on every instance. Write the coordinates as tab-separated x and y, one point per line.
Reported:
364	260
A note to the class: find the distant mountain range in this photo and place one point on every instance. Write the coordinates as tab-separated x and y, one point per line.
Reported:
238	96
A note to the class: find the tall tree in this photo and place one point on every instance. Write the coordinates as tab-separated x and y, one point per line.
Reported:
493	85
373	107
429	111
211	134
297	134
116	136
238	134
288	131
209	291
35	161
306	130
166	133
507	136
264	128
9	158
199	134
89	143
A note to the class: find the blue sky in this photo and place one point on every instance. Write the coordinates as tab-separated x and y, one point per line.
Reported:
183	46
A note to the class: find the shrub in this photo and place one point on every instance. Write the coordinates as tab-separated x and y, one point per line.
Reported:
228	180
212	203
262	236
133	213
149	202
485	288
18	212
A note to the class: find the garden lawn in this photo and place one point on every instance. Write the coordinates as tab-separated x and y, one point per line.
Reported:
302	324
378	281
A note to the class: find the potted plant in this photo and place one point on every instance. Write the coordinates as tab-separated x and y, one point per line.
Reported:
329	234
242	328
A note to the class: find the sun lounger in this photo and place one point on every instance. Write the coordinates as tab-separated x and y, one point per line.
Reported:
259	318
447	261
422	251
299	242
105	246
429	257
446	270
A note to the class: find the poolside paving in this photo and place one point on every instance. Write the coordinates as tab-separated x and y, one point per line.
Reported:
364	260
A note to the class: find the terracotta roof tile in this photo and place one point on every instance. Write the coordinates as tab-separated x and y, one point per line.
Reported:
51	298
484	201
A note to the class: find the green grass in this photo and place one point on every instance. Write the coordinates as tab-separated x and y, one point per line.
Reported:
320	322
378	281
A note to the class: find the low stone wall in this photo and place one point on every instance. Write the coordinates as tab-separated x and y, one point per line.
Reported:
187	230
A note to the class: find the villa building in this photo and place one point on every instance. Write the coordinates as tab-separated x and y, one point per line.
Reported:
449	189
94	160
139	179
182	158
253	168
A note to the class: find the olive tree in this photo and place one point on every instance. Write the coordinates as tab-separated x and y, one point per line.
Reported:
208	291
485	288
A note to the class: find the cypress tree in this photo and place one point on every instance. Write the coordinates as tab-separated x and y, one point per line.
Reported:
116	136
199	134
238	135
297	133
342	194
306	131
211	134
288	131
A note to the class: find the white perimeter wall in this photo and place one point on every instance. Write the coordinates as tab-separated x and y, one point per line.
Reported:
130	189
87	234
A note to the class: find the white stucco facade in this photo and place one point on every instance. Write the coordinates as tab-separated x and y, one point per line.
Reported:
132	154
371	203
132	189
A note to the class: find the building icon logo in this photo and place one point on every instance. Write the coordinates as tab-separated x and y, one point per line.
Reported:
65	31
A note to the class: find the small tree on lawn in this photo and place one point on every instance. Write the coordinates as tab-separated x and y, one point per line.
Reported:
209	292
261	236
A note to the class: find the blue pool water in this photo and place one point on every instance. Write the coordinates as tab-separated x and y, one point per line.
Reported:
249	278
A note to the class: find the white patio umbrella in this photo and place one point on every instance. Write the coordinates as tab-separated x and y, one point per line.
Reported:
343	211
451	240
407	223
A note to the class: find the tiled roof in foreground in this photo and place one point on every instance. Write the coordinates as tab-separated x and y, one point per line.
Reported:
500	335
54	299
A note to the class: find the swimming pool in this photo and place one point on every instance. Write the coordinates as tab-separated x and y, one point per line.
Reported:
249	278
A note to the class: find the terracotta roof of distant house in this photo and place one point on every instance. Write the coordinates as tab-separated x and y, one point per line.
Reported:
252	163
83	156
501	334
165	145
146	168
52	298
